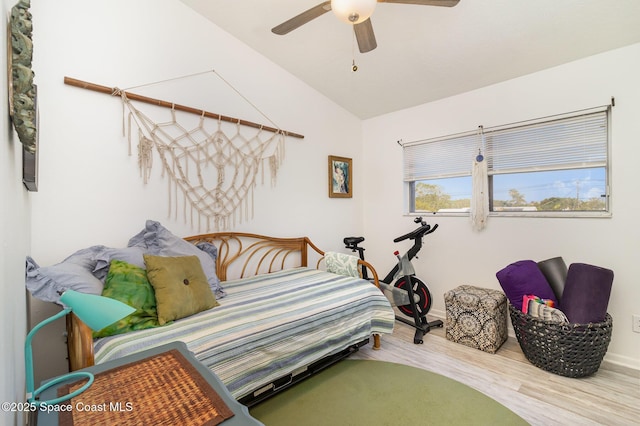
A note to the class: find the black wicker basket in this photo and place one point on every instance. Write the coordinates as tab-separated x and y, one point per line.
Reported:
571	350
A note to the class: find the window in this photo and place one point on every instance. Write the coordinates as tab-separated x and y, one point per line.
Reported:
557	166
438	173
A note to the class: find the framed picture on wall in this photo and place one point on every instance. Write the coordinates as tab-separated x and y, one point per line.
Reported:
340	177
30	157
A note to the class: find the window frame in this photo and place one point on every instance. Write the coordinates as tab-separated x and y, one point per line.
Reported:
410	183
465	140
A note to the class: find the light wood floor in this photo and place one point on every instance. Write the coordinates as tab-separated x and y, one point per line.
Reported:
609	397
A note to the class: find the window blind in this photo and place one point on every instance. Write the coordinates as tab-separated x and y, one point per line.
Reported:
573	142
445	157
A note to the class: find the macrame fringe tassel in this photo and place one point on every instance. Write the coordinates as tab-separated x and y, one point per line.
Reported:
145	157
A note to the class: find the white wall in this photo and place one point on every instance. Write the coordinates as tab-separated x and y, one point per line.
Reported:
90	188
14	243
457	255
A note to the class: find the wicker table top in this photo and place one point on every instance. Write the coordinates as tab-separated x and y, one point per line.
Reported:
161	386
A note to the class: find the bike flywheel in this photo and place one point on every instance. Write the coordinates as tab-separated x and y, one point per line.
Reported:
422	296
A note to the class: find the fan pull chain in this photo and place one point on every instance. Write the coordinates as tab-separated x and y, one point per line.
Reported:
354	67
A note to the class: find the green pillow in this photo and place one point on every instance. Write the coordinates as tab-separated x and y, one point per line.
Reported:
180	286
128	283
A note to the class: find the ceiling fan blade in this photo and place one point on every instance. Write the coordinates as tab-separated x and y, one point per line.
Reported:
445	3
303	18
365	36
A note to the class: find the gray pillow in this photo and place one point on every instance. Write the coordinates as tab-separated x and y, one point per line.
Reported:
160	241
75	272
138	240
131	255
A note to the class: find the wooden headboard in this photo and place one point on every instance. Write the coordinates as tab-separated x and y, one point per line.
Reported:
240	255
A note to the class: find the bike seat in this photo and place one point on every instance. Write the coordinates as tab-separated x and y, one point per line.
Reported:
352	241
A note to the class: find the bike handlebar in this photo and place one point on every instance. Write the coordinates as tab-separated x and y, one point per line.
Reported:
420	232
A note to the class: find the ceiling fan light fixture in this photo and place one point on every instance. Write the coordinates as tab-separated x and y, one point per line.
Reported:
353	11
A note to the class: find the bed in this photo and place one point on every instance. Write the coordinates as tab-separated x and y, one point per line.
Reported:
282	318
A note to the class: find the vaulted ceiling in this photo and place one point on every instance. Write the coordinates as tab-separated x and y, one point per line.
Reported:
425	53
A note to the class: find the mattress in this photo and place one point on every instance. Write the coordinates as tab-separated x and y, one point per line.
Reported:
268	326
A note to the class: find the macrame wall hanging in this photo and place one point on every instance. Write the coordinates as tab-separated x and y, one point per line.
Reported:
211	169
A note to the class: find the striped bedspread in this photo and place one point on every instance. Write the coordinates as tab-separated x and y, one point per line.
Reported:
269	325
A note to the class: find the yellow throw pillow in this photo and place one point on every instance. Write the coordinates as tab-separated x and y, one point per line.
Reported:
180	285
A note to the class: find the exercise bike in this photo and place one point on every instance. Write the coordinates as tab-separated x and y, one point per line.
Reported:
411	295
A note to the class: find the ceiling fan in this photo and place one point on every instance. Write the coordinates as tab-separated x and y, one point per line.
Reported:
354	12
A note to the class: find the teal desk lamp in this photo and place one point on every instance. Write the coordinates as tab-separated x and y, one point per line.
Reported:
95	311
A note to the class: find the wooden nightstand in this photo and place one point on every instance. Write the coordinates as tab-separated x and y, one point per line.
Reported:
167	381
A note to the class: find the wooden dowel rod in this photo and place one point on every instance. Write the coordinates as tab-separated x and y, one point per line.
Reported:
112	90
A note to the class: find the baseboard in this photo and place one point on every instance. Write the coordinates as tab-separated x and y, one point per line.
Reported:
625	364
437	313
611	361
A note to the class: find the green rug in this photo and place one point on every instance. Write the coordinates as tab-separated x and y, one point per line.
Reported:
372	393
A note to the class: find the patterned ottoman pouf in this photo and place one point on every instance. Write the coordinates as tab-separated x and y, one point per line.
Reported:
476	317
